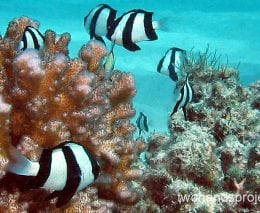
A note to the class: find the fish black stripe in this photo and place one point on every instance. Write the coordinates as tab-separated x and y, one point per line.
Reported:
110	19
187	94
73	177
159	67
138	121
171	66
173	74
127	34
35	40
148	26
93	22
145	124
176	107
41	35
172	60
113	26
44	170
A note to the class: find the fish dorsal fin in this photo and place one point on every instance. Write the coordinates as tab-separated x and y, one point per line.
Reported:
131	46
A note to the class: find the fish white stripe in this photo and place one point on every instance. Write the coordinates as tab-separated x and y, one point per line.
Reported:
138	31
39	39
167	62
117	35
29	39
89	17
58	174
101	24
183	97
190	91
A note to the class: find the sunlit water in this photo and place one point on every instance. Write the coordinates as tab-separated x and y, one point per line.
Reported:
231	27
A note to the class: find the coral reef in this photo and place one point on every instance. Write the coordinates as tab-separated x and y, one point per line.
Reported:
211	162
45	98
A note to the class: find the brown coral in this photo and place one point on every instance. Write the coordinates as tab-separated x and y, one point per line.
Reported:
49	97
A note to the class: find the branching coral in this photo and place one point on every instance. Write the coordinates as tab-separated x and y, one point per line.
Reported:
47	97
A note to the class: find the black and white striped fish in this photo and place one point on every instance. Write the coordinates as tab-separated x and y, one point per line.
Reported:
65	169
132	27
172	62
142	123
185	97
32	38
98	21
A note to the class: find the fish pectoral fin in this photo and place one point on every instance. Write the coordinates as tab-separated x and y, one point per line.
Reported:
53	195
131	46
62	197
173	75
65	195
30	183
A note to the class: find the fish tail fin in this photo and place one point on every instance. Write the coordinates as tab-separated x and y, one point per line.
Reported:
163	24
21	165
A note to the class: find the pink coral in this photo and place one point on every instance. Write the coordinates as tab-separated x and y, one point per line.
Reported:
49	98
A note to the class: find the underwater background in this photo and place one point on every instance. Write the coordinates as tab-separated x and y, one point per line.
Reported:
232	28
212	158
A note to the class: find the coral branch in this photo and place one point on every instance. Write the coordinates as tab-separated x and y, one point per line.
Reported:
46	97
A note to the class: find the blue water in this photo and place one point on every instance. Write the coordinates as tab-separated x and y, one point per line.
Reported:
231	27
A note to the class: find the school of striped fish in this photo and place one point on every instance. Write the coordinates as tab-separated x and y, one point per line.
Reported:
70	167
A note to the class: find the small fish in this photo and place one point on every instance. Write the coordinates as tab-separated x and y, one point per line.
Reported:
132	27
32	38
142	123
65	169
185	97
171	63
110	61
98	21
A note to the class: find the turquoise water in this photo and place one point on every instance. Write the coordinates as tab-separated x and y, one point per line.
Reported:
231	27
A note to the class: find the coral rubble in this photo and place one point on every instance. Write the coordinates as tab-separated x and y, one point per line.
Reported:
211	162
45	98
